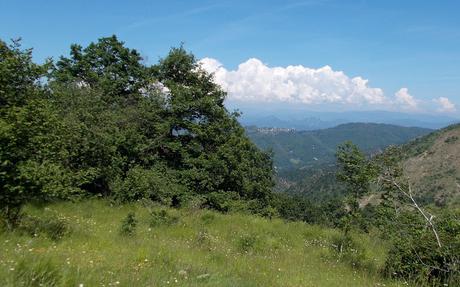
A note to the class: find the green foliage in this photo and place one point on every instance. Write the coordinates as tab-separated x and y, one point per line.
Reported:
415	254
451	139
349	250
128	225
221	201
205	142
300	150
107	65
104	123
19	76
301	208
247	243
161	217
31	138
356	172
150	184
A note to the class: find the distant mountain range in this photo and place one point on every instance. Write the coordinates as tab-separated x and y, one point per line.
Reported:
305	160
309	120
305	149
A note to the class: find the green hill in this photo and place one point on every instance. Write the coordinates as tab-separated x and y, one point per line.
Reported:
303	149
305	160
177	247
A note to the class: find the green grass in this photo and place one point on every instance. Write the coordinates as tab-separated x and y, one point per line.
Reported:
178	248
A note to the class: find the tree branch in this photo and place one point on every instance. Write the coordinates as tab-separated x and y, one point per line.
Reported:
427	216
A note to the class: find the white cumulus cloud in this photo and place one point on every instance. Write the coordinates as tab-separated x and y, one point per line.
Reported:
405	101
253	81
445	105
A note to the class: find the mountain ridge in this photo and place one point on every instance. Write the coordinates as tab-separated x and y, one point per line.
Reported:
312	120
296	149
432	166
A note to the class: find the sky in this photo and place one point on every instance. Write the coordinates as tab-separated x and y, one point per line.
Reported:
370	55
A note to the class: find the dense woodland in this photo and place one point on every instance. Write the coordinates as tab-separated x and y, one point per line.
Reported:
294	149
100	123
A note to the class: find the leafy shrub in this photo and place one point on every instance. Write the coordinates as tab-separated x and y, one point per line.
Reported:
348	250
128	225
142	183
52	180
247	243
53	228
221	201
31	272
416	256
162	217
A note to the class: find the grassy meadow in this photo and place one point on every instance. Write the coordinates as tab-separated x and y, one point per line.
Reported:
87	244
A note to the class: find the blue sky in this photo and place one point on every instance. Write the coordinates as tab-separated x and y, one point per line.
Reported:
396	45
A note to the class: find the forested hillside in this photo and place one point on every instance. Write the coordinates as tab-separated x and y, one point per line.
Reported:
305	161
303	149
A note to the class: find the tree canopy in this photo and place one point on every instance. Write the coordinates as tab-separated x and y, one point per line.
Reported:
104	122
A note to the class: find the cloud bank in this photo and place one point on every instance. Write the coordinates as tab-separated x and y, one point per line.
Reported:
255	82
445	105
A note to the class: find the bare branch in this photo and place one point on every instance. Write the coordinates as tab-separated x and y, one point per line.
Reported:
427	216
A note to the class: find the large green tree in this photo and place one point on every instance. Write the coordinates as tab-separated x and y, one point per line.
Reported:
31	134
103	122
356	171
204	140
106	65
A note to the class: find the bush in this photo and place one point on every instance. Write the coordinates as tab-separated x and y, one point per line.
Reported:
416	256
128	225
247	243
162	217
221	201
346	249
141	183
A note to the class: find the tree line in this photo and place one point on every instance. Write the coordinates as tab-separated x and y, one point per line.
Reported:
102	122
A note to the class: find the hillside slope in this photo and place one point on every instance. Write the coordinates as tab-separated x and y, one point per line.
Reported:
432	164
303	149
176	248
